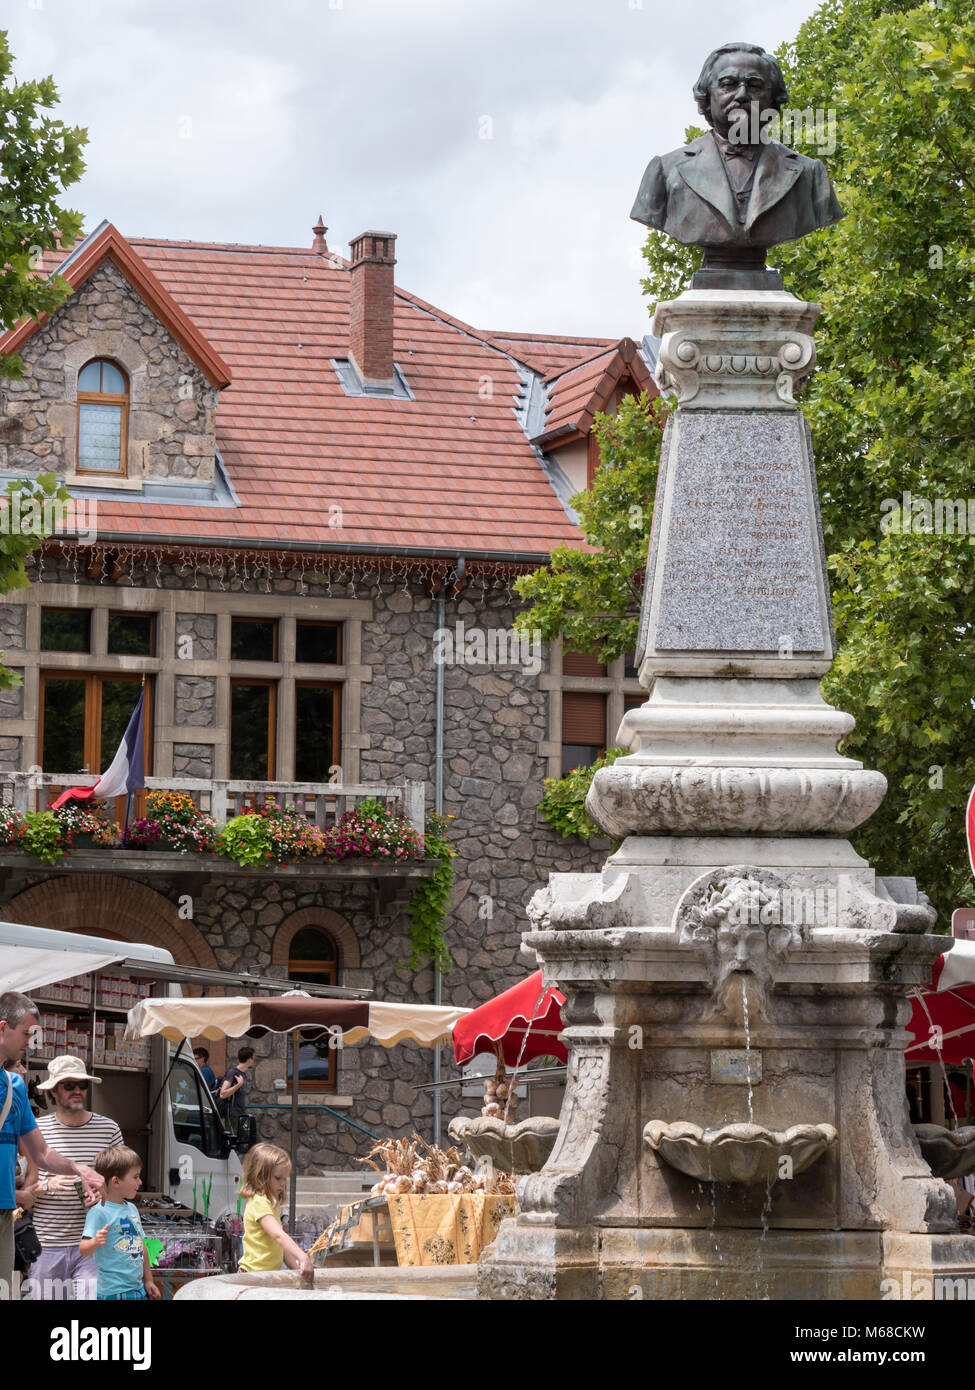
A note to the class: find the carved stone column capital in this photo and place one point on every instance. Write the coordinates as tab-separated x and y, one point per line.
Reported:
730	350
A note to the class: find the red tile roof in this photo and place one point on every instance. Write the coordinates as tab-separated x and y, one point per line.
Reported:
577	395
550	355
108	244
450	471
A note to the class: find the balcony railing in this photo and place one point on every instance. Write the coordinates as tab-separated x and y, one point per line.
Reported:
322	802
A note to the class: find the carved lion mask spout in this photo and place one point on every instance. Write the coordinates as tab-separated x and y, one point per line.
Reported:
738	913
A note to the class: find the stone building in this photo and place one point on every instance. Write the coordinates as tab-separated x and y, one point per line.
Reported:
301	498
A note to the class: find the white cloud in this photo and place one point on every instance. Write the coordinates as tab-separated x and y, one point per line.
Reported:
368	111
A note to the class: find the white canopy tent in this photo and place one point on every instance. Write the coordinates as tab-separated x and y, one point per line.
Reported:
32	957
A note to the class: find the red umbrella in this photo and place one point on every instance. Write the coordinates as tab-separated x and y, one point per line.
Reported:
526	1008
943	1021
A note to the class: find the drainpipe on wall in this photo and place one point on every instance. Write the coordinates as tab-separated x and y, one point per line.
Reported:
438	808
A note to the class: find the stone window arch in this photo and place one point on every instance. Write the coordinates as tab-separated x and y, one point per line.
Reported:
335	925
103	418
107	905
313	956
317	945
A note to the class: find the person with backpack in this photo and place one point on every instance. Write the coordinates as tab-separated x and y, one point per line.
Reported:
233	1088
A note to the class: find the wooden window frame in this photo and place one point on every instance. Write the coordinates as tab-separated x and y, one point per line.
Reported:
274	658
92	681
55	608
131	613
272	725
602	745
104	398
336	689
320	622
325	973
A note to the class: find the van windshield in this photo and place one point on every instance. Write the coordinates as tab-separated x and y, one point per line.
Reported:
195	1121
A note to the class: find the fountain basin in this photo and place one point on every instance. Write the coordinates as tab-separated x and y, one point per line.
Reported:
742	1153
342	1285
949	1153
520	1148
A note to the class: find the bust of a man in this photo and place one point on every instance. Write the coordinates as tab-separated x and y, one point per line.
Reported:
735	191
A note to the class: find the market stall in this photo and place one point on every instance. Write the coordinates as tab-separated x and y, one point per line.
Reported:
943	1017
302	1016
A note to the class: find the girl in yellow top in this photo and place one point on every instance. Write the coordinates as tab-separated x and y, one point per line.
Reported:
266	1243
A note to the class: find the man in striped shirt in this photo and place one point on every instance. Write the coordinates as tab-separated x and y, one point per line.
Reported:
59	1211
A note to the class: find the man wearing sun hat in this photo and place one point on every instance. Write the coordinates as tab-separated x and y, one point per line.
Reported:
59	1212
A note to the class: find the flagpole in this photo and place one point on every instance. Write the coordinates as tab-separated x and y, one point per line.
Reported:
128	795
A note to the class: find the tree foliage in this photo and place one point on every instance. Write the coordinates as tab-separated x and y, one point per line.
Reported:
39	157
892	410
591	598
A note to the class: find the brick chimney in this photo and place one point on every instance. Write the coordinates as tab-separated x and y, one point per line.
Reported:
371	307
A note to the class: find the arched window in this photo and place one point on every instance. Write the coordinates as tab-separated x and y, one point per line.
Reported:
313	956
103	417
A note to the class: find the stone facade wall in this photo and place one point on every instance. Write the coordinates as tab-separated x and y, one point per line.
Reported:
495	724
192	760
196	634
196	702
172	406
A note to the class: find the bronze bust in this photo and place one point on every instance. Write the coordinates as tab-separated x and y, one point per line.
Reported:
734	191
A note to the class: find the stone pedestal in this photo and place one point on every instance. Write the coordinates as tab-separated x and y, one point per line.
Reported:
736	976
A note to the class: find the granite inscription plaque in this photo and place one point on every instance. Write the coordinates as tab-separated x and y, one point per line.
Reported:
740	549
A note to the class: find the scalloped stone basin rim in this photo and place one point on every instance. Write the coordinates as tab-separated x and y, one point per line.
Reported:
737	1153
949	1153
437	1282
519	1148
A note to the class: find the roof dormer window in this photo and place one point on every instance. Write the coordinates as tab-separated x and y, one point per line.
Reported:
103	417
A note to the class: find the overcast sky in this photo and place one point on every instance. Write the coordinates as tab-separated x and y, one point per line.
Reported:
502	140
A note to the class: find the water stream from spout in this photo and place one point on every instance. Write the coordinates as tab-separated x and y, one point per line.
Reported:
748	1052
760	1291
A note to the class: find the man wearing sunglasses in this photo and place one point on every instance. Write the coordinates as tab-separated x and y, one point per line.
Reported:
78	1133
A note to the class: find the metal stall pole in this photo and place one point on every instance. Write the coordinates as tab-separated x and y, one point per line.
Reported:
293	1202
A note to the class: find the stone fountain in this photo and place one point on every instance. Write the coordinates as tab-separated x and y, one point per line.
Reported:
735	1122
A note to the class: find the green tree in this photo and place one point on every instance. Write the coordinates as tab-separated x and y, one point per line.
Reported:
39	157
591	598
892	406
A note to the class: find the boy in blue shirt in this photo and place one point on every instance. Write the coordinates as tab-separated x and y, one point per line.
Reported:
113	1231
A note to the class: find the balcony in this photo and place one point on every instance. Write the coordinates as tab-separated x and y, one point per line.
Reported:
322	804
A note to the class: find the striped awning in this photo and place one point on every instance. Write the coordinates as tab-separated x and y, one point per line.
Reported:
351	1019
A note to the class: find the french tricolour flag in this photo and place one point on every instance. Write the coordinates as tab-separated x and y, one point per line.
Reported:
127	772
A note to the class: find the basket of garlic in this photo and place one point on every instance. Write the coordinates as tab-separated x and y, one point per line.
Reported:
408	1166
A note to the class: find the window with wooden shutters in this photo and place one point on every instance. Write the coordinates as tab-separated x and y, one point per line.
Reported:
583	728
581	664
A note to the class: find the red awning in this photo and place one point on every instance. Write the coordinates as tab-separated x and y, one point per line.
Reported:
526	1008
943	1020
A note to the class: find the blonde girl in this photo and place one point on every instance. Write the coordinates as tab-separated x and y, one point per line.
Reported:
266	1243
